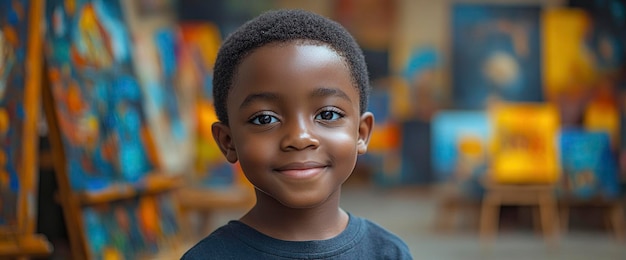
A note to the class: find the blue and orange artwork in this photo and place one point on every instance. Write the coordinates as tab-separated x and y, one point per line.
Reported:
97	96
460	147
130	229
589	166
168	103
496	54
13	38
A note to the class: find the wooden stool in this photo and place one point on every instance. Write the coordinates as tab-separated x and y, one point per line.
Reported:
497	195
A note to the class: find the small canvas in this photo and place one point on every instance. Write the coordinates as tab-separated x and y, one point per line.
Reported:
589	166
459	144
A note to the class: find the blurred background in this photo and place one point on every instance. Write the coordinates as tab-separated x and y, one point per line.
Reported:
499	125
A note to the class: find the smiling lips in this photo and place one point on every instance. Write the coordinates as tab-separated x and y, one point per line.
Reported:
301	170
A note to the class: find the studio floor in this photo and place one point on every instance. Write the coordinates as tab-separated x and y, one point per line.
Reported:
410	213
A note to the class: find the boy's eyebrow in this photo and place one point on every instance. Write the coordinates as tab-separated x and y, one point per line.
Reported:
256	96
320	92
325	92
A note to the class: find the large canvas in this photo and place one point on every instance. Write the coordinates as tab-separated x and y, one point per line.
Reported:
496	54
97	95
13	50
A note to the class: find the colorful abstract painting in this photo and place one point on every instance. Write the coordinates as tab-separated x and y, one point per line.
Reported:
13	45
168	103
496	54
97	95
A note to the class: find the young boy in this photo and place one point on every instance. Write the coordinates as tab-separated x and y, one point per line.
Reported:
290	90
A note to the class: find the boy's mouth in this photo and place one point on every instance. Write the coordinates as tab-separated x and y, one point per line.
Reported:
302	170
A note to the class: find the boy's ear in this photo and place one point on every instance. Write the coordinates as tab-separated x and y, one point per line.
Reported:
366	125
221	134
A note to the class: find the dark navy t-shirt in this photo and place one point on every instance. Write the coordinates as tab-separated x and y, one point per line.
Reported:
361	239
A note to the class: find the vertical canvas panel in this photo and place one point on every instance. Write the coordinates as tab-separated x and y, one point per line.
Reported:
496	54
167	103
201	41
97	96
13	57
569	66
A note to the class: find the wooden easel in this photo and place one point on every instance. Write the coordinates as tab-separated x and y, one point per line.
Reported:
21	242
524	166
73	202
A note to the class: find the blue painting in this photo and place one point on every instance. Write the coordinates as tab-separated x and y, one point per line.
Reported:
496	54
589	166
13	39
460	148
451	130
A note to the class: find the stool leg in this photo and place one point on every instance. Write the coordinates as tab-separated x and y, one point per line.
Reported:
549	217
617	220
489	217
564	218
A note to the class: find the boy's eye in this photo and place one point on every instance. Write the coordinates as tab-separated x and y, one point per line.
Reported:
263	120
328	115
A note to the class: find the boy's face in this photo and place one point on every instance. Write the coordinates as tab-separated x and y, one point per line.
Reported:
294	123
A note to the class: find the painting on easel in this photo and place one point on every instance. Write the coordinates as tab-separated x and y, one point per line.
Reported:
12	76
20	79
97	96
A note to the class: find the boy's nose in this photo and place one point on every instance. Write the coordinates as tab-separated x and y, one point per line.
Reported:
299	136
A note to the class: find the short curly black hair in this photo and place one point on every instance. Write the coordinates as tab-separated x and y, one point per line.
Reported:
279	26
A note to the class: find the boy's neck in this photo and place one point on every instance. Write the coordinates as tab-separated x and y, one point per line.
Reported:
274	219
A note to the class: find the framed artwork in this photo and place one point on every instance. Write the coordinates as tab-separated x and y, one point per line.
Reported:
496	54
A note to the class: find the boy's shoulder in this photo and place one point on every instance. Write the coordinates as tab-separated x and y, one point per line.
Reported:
215	245
382	242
